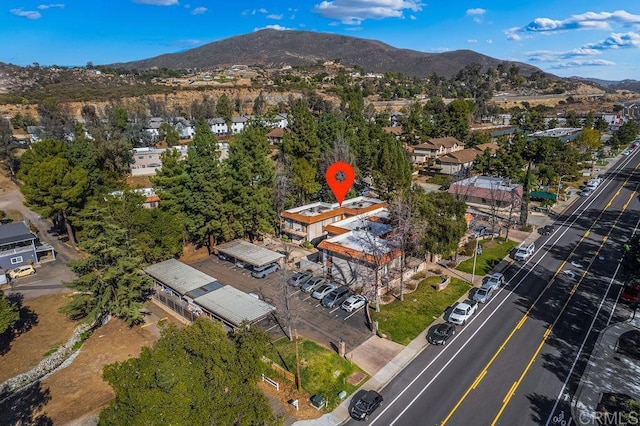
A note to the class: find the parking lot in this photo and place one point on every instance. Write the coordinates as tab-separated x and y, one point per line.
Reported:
311	320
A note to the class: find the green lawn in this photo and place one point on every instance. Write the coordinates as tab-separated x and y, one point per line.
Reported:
322	370
493	251
404	321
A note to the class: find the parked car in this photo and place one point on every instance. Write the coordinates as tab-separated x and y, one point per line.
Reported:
483	294
439	334
626	152
585	192
354	302
312	284
494	280
523	252
366	405
299	278
630	294
263	271
462	312
22	271
545	230
336	297
323	290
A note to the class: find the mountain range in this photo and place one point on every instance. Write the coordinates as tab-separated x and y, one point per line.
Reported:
273	48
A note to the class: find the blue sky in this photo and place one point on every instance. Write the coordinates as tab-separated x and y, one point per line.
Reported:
584	38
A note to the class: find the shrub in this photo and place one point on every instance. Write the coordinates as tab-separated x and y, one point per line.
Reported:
306	244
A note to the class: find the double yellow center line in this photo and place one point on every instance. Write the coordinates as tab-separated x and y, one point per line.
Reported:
547	332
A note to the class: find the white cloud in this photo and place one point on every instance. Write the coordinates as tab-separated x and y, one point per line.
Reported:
157	2
354	12
413	17
616	41
477	14
585	63
274	16
584	21
49	6
261	10
29	14
489	41
472	41
273	27
440	49
198	10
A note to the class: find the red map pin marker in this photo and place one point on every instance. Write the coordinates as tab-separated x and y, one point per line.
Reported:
340	187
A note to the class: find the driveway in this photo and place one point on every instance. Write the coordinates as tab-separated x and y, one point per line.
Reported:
311	320
48	279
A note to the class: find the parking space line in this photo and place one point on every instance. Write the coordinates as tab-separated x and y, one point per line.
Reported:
353	313
307	298
335	310
293	294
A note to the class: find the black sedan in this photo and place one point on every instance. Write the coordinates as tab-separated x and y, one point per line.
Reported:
545	230
367	404
439	334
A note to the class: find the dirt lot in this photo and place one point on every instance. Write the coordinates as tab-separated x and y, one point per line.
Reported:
78	391
51	330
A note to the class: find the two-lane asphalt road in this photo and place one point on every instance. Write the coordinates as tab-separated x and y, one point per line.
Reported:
519	359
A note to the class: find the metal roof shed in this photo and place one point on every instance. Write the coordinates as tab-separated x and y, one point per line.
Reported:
233	306
179	277
249	253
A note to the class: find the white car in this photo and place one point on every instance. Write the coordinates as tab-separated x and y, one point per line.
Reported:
462	312
493	280
354	302
323	290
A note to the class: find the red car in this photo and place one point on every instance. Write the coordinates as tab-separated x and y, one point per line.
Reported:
630	294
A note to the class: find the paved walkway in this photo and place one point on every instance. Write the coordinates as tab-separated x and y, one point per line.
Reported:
607	371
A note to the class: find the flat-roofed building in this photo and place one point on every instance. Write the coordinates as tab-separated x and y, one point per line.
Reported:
308	222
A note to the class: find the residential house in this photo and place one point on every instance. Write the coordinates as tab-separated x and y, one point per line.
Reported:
395	131
492	147
310	222
456	163
357	251
434	148
18	246
218	126
275	136
146	161
488	192
153	127
35	133
184	127
238	124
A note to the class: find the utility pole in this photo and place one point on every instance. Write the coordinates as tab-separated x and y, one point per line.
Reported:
298	378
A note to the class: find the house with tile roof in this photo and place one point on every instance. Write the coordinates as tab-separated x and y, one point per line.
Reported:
457	162
434	148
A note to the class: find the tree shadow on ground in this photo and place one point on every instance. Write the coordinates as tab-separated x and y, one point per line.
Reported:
28	318
18	408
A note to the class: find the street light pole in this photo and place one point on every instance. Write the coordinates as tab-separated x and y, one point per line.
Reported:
559	185
475	255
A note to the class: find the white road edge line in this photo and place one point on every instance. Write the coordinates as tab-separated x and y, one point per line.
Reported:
625	162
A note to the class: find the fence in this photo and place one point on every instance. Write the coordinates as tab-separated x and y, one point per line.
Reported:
280	371
176	306
271	382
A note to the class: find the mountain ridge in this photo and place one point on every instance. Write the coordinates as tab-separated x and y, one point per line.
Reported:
274	48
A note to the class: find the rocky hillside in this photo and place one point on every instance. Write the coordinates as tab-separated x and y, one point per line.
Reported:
272	48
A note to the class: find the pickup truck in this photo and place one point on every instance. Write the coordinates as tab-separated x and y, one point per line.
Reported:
523	252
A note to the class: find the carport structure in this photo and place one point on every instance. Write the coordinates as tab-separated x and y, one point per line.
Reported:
250	254
192	293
